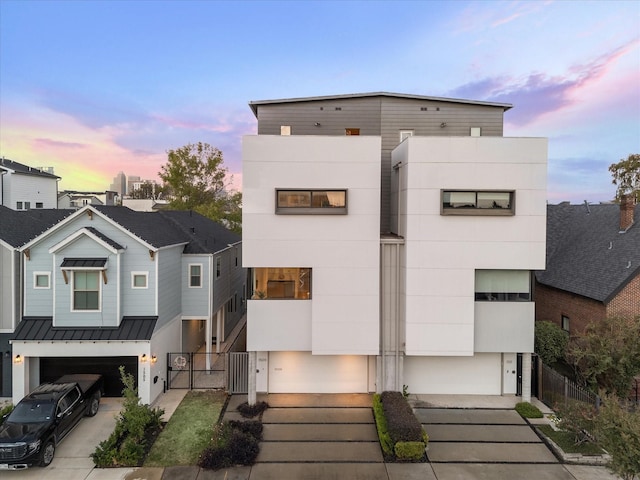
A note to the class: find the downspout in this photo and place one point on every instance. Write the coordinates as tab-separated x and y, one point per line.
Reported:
397	319
2	174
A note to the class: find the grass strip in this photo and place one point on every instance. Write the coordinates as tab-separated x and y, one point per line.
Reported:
565	440
188	431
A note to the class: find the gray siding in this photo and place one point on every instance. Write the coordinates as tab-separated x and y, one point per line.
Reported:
381	116
195	300
6	312
169	288
137	301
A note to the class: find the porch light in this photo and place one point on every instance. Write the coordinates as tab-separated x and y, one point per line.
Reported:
17	359
154	359
143	358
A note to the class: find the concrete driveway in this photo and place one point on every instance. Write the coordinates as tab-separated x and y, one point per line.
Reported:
72	460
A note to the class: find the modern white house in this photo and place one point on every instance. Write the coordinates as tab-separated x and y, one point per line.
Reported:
391	239
105	286
23	187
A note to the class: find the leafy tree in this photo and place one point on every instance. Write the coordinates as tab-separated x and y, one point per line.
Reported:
195	177
626	176
148	190
550	342
607	354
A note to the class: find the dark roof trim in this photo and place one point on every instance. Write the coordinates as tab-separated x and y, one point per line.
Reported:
42	329
622	285
256	103
84	263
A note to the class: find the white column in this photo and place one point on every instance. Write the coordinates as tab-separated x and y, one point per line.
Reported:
207	332
219	320
526	377
252	397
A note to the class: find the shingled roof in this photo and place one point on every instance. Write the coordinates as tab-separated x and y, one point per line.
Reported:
586	252
6	164
19	227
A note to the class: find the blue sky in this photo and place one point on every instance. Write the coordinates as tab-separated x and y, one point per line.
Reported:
92	88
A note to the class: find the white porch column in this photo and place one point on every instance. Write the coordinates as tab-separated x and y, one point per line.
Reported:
219	320
253	366
526	377
208	329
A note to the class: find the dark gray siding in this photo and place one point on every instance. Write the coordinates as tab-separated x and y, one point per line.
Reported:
381	115
228	288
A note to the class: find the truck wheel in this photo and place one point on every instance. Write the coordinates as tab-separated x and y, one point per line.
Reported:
47	453
94	405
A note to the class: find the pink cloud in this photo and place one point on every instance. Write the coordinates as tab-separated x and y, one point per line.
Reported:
539	94
50	143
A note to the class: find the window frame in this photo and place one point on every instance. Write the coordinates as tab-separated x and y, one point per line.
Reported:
475	210
300	278
74	308
404	134
494	276
218	262
140	274
564	317
311	210
41	274
191	277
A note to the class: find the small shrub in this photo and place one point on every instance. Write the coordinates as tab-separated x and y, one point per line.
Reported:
381	426
6	410
409	451
527	410
550	342
250	411
243	448
577	418
251	427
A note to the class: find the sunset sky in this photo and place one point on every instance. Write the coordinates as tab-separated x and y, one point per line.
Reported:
93	88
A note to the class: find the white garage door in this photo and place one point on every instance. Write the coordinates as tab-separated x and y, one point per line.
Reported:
477	375
301	372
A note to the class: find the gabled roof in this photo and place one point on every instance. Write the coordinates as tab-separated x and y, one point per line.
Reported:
586	253
41	329
19	227
256	103
15	167
205	235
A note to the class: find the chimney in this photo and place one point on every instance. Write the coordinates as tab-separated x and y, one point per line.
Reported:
626	212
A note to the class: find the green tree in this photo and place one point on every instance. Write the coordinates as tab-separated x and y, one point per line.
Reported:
147	190
626	176
550	342
607	354
195	178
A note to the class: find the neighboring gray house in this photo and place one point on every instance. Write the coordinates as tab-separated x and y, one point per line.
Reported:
75	199
23	187
108	286
16	229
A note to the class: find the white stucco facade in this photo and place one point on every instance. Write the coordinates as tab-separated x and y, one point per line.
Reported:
404	309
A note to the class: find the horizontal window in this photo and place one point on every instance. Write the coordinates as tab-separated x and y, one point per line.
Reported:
465	202
139	279
503	286
323	202
282	283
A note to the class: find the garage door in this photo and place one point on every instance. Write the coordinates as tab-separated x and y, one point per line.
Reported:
52	368
477	375
301	372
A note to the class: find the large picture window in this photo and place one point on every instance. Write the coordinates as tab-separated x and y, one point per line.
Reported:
465	202
86	290
322	202
282	283
503	286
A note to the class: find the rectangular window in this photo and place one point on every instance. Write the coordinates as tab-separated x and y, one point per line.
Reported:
86	290
483	202
565	323
139	279
282	283
475	131
41	279
352	131
503	286
18	205
218	267
39	205
319	202
27	205
195	276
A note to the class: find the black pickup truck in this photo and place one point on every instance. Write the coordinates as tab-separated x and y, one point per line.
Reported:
30	433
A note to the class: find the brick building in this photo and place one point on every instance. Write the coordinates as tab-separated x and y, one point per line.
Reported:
593	264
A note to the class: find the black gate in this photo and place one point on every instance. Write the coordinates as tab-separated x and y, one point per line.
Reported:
197	370
534	375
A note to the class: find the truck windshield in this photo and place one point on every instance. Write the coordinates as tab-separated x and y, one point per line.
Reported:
31	412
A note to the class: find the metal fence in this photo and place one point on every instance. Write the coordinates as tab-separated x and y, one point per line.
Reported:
558	389
189	370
